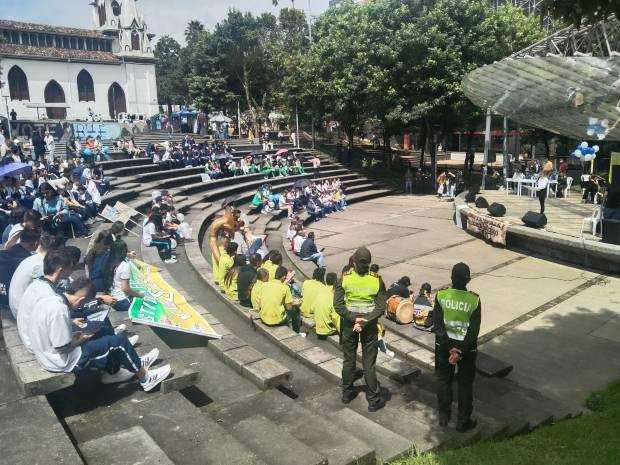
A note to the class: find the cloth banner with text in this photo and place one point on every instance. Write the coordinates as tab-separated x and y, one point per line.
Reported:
162	305
488	227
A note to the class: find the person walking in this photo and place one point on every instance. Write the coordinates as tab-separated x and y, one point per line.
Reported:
38	144
408	181
359	299
456	322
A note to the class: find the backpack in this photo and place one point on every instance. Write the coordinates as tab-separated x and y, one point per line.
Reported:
99	273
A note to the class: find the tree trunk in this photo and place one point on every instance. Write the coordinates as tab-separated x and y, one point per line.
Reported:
245	82
387	149
422	143
432	138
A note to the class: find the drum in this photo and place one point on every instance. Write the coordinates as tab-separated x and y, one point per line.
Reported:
399	310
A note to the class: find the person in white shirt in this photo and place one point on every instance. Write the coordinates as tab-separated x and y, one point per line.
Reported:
541	188
50	145
49	336
121	290
298	240
30	269
152	236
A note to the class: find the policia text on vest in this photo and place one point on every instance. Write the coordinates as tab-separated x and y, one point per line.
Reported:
456	322
359	299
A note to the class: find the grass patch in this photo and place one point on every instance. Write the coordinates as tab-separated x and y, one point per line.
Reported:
592	439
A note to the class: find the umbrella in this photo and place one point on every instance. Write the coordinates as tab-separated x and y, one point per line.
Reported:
302	183
13	169
281	151
220	119
230	200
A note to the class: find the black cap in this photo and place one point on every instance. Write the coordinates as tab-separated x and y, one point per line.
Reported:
362	256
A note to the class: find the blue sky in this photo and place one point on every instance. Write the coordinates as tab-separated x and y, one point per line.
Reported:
164	16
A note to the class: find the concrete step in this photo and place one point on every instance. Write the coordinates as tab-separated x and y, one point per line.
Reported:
314	430
31	433
274	444
126	447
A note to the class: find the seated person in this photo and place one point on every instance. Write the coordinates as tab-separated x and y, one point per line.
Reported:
121	291
309	252
298	241
326	320
423	309
262	277
230	285
154	235
276	302
246	279
400	288
311	289
272	262
225	263
11	258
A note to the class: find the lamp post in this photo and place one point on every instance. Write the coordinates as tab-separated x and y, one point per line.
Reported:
239	118
487	148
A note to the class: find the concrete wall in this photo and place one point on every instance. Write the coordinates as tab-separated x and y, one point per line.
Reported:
136	79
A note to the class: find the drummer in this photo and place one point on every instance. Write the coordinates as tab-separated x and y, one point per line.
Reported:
400	288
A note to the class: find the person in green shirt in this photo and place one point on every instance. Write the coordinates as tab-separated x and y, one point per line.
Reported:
360	299
456	323
326	320
271	264
310	289
262	277
226	263
229	285
276	303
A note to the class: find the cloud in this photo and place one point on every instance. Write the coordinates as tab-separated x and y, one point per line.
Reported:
165	17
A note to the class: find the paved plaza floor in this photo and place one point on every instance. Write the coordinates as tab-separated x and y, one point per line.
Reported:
558	324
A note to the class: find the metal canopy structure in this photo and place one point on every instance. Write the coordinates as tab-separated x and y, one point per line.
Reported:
568	83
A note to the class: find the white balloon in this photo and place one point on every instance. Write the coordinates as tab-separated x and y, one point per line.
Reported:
587	157
596	148
577	153
590	132
601	136
604	123
584	145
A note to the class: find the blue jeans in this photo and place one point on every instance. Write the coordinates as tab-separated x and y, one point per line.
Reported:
122	305
108	353
74	220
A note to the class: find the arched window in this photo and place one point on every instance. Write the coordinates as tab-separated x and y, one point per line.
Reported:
54	94
135	40
18	84
116	100
86	88
116	8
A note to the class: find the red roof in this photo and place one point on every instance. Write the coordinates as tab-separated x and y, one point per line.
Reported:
58	54
48	29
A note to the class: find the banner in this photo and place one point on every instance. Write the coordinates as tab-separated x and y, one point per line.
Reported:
112	214
488	227
162	305
124	208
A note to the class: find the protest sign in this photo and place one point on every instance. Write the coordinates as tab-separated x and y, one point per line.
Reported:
488	227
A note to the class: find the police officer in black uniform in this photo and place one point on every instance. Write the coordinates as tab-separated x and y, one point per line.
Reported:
456	321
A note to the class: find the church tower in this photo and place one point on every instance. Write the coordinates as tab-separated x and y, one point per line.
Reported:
122	20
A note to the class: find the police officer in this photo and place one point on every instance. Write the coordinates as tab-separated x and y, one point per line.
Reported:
359	299
456	320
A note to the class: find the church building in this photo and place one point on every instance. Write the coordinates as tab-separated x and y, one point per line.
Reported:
63	72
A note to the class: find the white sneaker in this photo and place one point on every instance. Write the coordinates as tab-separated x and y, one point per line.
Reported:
390	353
148	359
303	334
120	376
154	377
120	328
133	340
170	260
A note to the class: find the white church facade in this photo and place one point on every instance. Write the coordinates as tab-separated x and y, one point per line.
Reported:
60	73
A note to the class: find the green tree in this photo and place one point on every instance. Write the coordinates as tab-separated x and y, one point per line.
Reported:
575	11
171	86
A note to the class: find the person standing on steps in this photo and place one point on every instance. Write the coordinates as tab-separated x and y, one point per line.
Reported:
456	322
359	299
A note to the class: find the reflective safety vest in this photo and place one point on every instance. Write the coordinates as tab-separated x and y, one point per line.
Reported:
457	306
360	292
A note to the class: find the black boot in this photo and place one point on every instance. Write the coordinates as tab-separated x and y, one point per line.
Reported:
466	425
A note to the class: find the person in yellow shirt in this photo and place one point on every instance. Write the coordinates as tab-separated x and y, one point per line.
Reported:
229	284
222	244
311	289
326	320
276	303
226	263
262	276
274	260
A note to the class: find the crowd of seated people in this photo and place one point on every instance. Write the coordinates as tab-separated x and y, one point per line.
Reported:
61	305
319	199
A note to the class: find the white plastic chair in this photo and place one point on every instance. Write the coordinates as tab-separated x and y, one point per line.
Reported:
569	183
591	222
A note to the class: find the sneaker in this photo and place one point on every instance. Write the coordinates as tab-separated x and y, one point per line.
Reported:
170	260
154	377
390	353
120	328
303	334
148	359
133	340
376	406
120	376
